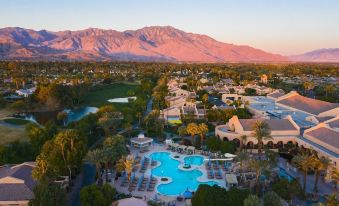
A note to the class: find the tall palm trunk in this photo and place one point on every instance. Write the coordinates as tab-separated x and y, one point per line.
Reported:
106	166
257	184
305	178
317	175
97	172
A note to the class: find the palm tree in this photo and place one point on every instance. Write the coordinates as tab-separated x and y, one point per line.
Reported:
318	165
95	157
192	129
301	161
126	164
243	140
261	131
242	157
329	89
205	100
333	176
332	200
259	166
129	166
182	131
107	159
203	130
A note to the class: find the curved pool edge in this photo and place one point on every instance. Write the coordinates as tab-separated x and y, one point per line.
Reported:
202	179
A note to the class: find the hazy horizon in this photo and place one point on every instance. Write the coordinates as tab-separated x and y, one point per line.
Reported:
287	28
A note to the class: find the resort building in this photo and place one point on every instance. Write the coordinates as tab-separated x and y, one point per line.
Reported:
171	113
175	101
141	142
283	131
306	112
296	102
324	139
26	92
260	90
172	84
276	94
181	92
16	184
230	98
191	109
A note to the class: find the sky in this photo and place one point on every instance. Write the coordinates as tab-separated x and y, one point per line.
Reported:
279	26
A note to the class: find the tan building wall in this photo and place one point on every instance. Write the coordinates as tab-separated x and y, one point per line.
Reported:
236	131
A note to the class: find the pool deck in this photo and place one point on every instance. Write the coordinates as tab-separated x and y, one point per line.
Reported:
146	195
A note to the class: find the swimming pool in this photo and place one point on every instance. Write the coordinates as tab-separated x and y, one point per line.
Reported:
181	180
194	160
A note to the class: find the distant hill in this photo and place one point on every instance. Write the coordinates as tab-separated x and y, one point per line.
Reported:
147	44
320	55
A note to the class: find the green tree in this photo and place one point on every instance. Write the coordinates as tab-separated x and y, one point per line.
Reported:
48	194
109	118
209	195
271	198
287	189
237	196
72	149
252	200
182	131
97	195
62	117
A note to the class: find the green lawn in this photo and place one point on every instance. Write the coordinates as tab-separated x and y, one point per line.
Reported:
16	121
99	95
10	134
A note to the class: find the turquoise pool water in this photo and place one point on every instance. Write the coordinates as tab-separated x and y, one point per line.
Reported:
181	180
173	118
194	160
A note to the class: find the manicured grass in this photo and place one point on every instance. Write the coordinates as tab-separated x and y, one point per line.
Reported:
10	134
16	121
5	113
99	95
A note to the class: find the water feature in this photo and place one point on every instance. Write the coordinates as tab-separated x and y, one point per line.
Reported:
121	100
43	117
77	114
181	180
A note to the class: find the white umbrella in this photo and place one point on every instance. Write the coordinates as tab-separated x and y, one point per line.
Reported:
229	155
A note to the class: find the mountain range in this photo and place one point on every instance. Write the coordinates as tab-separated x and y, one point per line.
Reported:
156	43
